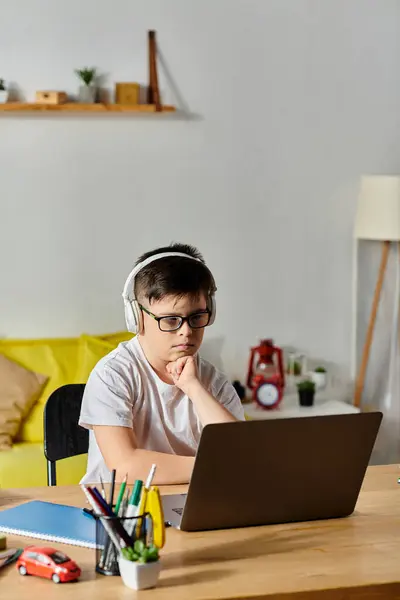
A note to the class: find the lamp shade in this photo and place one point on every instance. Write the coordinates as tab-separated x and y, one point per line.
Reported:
378	209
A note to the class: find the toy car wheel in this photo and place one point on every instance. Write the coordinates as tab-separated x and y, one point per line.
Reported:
56	578
22	570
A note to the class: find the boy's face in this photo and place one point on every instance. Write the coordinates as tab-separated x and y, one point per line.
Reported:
171	345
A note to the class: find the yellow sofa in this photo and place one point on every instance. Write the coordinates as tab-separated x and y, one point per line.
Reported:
66	360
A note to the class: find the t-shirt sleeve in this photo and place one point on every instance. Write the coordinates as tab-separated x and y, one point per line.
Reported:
227	396
107	399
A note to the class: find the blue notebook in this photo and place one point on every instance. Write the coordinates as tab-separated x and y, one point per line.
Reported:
50	522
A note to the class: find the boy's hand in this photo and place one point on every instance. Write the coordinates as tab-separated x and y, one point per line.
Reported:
184	373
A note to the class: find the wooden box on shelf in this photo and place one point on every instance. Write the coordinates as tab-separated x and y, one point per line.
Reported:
50	97
127	93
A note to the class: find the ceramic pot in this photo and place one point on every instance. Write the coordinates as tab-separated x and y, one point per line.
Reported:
139	576
87	94
319	379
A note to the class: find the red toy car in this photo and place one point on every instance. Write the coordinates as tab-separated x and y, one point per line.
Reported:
49	563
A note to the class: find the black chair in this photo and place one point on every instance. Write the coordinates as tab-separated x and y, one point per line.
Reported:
63	437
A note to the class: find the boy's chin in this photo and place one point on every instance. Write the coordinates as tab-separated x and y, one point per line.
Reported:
180	352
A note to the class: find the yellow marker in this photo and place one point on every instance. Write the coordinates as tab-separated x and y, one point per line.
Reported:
153	507
141	510
155	510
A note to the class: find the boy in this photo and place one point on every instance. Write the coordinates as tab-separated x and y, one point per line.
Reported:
147	401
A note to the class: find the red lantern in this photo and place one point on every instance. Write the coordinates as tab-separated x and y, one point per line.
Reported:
266	375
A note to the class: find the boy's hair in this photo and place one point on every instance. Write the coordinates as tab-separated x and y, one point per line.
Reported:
173	275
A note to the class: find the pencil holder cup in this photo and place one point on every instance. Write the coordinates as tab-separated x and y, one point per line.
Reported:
108	530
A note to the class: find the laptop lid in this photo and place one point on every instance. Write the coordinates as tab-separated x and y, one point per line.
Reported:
281	470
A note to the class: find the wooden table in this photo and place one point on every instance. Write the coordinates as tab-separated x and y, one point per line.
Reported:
357	557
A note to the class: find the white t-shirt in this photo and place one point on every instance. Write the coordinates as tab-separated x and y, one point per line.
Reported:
124	390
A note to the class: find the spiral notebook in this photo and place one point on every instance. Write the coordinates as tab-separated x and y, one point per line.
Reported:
50	522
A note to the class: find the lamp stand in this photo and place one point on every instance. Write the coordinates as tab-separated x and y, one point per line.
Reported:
153	92
359	388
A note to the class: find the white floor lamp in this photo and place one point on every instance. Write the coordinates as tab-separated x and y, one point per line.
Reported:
378	218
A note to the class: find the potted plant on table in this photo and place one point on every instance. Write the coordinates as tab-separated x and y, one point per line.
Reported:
319	377
87	91
306	390
139	566
3	92
294	368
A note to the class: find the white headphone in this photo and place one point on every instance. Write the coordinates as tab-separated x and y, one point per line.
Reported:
133	312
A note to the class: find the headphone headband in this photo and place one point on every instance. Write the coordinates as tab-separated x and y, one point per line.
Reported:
126	291
132	311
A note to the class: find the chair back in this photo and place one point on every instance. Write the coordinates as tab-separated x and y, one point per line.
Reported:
63	437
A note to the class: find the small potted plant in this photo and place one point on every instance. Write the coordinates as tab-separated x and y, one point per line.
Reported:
139	566
3	92
294	368
319	377
306	389
87	91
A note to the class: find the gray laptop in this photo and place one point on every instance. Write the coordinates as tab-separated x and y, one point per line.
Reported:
275	471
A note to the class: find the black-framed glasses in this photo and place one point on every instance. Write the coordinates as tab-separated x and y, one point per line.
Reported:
197	320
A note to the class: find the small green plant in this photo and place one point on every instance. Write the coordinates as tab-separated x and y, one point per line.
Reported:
2	85
87	75
294	368
320	370
141	553
306	385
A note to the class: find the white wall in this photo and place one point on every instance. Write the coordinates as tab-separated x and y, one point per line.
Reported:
295	99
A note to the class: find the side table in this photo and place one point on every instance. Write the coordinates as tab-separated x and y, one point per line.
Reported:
290	407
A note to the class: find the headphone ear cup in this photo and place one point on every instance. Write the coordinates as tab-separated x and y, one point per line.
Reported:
138	316
131	317
213	309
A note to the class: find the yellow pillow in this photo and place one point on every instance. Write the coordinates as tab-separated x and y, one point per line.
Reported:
19	390
91	350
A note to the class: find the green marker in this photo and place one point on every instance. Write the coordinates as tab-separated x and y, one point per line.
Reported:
133	505
121	495
134	500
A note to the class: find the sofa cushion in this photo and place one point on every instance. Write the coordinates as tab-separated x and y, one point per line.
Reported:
20	388
94	348
57	358
91	350
25	466
116	338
